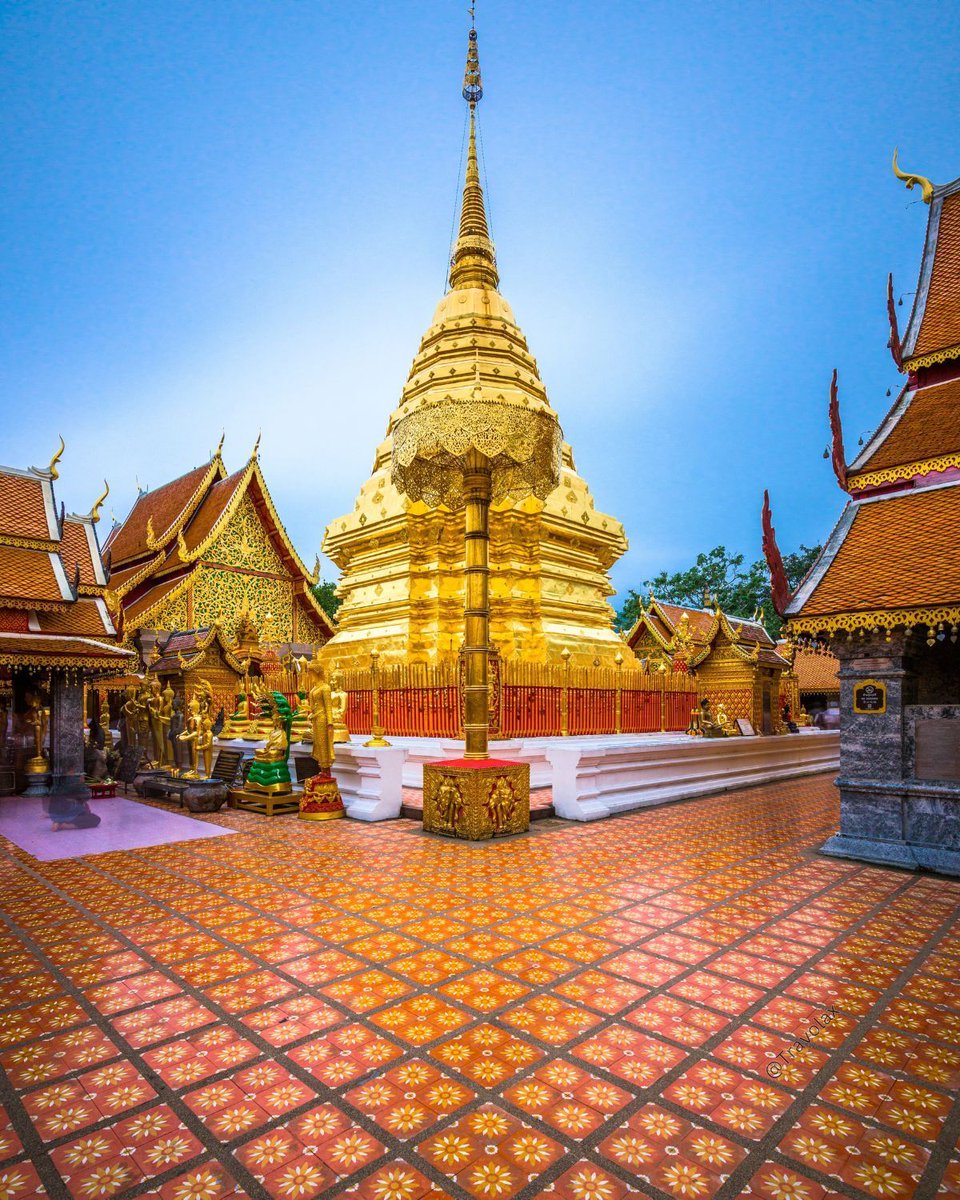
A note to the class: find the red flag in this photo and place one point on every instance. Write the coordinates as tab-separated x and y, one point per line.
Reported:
839	459
779	585
894	342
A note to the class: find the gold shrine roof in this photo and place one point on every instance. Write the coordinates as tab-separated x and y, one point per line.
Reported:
181	650
703	625
891	559
933	331
162	542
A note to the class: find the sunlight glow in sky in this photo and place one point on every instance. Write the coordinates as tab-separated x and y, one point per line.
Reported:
236	215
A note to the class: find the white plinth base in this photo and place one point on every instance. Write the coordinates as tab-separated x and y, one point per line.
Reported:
422	750
370	780
595	777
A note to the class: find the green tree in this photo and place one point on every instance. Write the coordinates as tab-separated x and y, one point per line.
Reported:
738	589
325	594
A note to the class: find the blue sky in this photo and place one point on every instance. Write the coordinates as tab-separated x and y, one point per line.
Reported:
237	214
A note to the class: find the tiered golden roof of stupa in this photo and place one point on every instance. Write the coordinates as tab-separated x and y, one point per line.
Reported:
402	561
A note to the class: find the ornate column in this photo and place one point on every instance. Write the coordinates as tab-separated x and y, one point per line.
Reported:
476	639
66	733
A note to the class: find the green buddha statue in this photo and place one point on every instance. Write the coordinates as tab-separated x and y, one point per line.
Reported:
269	772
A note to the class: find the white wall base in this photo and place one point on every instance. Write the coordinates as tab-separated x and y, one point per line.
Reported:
423	750
594	777
370	780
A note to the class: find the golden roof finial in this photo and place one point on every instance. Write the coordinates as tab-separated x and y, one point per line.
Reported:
219	450
54	473
95	511
256	444
912	181
474	263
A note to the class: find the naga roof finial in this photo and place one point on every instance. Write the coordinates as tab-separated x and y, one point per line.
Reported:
912	181
54	473
95	511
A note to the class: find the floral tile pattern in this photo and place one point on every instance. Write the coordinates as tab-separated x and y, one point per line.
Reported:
686	1002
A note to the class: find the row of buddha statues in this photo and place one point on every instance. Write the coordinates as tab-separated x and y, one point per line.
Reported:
249	724
183	746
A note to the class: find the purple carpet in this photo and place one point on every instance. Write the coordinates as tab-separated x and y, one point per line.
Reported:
124	825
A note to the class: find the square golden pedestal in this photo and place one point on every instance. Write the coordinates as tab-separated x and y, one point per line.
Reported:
476	799
320	799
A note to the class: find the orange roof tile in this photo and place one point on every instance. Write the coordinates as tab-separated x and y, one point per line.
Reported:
75	549
816	672
897	552
701	620
39	650
81	619
23	513
928	427
940	323
164	505
28	576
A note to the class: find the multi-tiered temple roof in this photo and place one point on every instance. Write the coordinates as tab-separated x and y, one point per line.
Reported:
893	557
207	548
52	580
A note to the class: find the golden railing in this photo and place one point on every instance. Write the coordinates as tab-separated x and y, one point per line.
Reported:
527	700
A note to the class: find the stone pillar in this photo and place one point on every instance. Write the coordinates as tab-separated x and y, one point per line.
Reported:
887	815
66	734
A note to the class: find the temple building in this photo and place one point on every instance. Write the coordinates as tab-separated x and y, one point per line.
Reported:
735	661
56	632
885	592
402	587
208	549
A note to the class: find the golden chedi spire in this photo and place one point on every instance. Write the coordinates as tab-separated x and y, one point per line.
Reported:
474	262
402	559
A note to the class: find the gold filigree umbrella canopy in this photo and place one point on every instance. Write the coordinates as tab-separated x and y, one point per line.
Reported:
479	441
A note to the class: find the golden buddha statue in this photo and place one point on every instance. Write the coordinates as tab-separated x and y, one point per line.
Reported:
165	721
154	707
191	735
131	717
338	709
37	720
321	716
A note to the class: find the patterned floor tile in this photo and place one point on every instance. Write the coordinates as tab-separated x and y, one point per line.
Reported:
640	1005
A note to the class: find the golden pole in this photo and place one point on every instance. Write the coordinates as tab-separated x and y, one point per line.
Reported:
618	702
376	731
565	694
663	698
476	641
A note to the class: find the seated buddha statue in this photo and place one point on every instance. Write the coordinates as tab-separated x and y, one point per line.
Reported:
269	772
710	726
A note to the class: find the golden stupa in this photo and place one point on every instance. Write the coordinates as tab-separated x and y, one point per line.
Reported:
402	587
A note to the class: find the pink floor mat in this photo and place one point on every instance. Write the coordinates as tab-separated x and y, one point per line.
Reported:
124	825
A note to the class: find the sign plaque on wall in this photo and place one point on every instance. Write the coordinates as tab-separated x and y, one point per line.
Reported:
870	696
